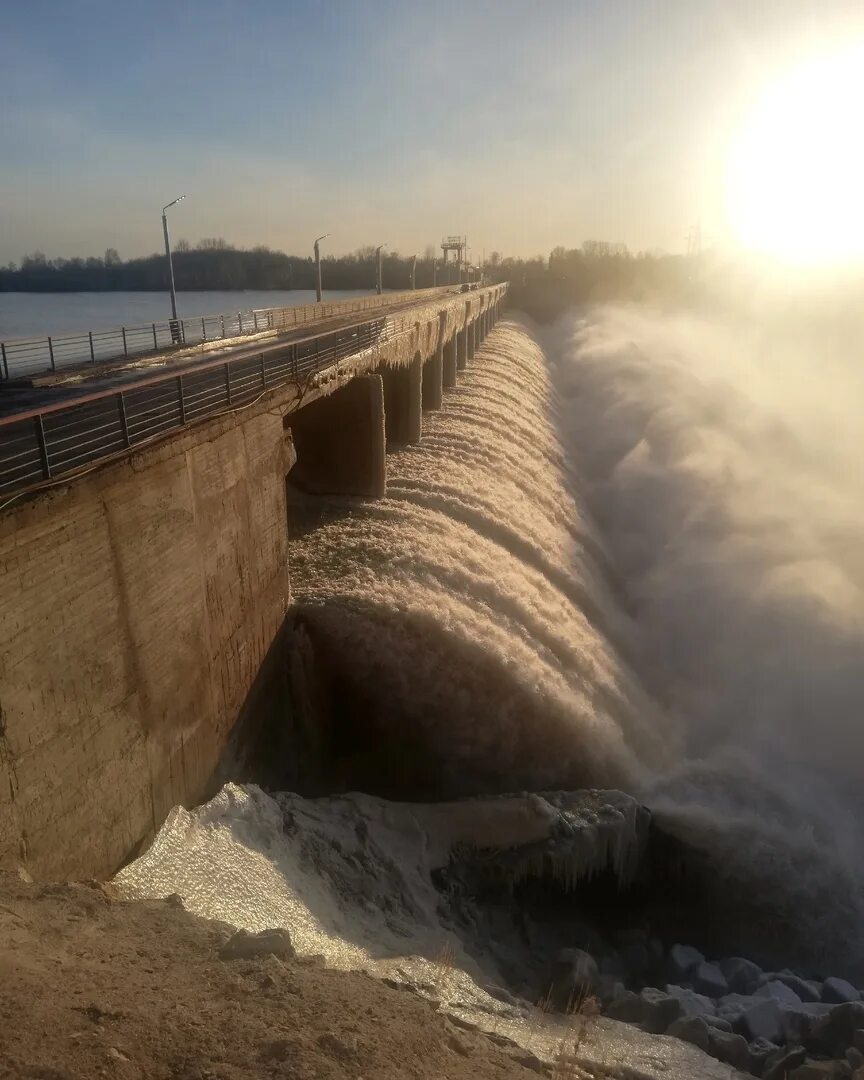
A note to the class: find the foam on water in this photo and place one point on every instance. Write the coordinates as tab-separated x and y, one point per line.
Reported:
472	610
634	564
723	464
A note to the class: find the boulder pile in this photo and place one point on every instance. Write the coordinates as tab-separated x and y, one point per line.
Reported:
772	1024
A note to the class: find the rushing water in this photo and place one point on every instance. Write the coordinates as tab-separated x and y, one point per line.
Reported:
634	560
41	314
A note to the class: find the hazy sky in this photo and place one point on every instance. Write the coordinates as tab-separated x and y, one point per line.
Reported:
523	124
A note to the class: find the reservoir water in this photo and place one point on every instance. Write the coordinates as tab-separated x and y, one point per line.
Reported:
40	314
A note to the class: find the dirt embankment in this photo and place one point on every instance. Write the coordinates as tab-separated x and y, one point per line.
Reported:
91	986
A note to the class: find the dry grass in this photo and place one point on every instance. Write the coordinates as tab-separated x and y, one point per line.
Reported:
582	1012
445	961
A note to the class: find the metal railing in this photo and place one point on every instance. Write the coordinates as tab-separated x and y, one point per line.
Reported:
50	441
31	356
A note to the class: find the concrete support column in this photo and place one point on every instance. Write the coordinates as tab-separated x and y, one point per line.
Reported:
403	402
433	379
450	363
462	349
472	338
339	441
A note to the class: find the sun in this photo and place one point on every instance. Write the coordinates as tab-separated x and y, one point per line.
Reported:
795	184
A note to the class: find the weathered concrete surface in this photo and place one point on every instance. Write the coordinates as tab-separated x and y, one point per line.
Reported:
403	402
140	602
339	441
449	373
138	606
433	380
462	350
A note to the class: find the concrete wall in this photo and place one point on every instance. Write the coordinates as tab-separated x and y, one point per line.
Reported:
142	603
139	604
340	441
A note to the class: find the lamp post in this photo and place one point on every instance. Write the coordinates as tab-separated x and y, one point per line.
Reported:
175	328
318	267
378	268
413	269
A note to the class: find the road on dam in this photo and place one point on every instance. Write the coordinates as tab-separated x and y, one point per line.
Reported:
58	422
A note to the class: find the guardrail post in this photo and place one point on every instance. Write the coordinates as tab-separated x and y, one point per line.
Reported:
92	353
124	421
123	332
155	343
51	354
255	320
5	361
203	330
43	446
228	381
263	374
240	321
222	320
182	402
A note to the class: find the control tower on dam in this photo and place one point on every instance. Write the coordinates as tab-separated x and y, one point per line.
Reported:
144	550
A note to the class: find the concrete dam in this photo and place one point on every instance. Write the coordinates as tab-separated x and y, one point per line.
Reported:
402	558
142	652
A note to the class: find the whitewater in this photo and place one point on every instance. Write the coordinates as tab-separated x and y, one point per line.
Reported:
627	554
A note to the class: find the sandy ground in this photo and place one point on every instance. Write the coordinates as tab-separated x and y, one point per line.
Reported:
92	986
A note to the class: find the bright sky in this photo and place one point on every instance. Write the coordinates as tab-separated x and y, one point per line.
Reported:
523	123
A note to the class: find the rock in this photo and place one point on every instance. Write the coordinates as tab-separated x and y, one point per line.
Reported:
627	1008
760	1051
529	1061
244	946
682	960
582	965
635	955
692	1004
806	989
608	988
718	1023
779	992
730	1049
337	1047
708	979
742	975
821	1070
575	976
797	1021
781	1063
838	992
758	1019
691	1029
835	1032
659	1010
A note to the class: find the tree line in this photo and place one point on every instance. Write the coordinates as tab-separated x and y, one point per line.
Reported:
215	264
596	271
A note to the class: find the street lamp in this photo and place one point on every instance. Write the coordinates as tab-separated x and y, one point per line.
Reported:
413	269
378	267
318	267
175	331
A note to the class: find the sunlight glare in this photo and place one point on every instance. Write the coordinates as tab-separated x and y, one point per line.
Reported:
795	186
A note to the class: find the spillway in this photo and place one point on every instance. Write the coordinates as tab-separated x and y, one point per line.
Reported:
463	635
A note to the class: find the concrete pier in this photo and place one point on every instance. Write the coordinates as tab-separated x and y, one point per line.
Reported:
403	402
450	363
339	441
462	349
472	338
141	648
433	380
